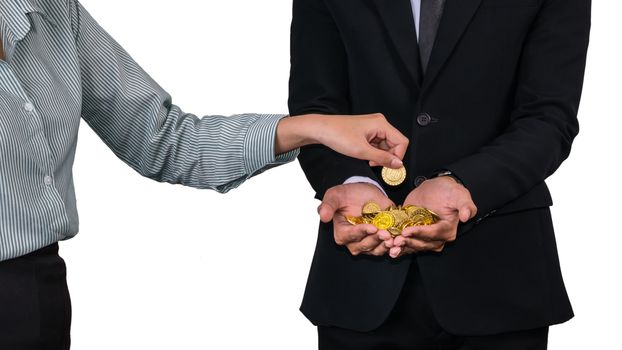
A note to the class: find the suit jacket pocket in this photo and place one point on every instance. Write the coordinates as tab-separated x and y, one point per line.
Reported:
537	197
509	3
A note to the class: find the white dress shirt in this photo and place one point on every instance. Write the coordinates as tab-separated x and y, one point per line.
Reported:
416	5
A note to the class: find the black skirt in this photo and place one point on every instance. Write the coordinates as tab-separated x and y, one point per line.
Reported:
35	308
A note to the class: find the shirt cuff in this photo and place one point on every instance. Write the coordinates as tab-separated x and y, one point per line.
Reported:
364	179
259	145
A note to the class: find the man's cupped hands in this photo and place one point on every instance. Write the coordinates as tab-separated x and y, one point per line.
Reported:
442	195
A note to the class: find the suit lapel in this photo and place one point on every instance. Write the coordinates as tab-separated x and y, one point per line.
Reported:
456	17
398	19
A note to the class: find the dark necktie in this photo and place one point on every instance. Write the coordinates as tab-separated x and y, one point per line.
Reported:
430	17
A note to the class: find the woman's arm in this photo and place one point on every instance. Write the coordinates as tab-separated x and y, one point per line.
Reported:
368	137
136	118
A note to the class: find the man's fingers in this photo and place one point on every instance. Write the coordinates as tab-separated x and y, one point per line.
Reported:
380	250
384	235
366	245
440	231
353	234
422	246
399	241
395	252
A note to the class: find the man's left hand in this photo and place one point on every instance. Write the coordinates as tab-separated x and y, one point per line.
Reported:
453	204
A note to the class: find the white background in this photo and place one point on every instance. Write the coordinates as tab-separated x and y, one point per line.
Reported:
166	267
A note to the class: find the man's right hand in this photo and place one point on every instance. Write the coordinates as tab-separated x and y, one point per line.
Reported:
348	200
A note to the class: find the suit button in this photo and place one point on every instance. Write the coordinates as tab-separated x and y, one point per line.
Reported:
424	119
419	180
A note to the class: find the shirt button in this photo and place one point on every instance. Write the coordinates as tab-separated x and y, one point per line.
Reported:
47	180
424	119
29	107
419	180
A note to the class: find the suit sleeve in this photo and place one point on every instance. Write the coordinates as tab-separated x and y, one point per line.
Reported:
319	84
544	121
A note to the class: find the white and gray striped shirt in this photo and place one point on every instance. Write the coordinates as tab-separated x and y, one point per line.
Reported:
61	66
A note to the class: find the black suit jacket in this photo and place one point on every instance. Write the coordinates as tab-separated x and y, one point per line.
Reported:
497	106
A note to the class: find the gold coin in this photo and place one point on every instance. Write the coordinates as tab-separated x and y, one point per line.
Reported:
407	223
410	209
420	213
435	217
383	220
394	231
355	220
399	215
368	218
394	177
371	208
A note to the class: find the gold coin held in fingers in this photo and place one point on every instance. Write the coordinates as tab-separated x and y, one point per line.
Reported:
383	220
371	208
394	177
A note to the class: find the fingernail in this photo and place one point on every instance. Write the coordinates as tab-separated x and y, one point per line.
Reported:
397	163
395	252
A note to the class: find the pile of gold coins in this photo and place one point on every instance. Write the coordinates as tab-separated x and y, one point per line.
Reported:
394	219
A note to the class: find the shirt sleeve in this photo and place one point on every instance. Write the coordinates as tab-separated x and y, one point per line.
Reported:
364	179
136	118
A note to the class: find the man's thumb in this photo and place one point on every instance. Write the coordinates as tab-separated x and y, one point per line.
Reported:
466	213
330	205
327	212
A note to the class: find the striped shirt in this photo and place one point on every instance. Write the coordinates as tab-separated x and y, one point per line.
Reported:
61	66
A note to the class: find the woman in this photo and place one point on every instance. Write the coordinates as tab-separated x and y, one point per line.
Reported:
57	65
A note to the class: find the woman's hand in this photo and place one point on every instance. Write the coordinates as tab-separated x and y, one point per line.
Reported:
369	137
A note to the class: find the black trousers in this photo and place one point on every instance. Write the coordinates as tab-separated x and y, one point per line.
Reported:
412	326
35	308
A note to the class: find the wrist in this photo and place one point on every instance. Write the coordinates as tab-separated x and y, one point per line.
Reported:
295	132
313	128
447	174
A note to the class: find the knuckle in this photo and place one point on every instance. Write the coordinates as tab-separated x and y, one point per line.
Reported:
329	192
339	240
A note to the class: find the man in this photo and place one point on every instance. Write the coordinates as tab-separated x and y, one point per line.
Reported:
488	91
57	65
